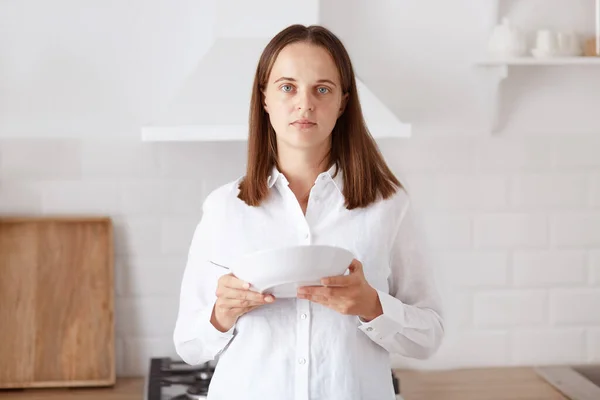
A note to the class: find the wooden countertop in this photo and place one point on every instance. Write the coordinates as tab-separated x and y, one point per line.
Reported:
510	383
125	389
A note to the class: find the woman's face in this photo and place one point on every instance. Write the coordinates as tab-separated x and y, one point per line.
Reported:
303	96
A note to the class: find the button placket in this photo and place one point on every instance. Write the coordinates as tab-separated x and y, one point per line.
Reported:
306	234
302	348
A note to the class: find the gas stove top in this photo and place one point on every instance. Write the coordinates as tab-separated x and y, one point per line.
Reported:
175	380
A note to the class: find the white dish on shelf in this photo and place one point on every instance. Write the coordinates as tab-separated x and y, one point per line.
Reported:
282	270
539	53
542	53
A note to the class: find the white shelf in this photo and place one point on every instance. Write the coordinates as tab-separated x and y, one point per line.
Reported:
499	70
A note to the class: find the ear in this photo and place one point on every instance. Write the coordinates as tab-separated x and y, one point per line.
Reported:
343	104
264	101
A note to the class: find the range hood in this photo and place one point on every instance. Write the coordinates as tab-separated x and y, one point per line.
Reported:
212	104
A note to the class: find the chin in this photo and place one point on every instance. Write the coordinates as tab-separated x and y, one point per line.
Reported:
304	139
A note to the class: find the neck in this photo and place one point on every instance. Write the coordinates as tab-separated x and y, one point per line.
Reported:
301	168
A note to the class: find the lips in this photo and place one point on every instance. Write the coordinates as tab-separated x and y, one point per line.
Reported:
303	123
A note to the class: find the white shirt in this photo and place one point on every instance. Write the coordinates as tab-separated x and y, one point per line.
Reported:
294	349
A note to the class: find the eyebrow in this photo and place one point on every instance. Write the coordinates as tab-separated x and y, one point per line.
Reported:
285	78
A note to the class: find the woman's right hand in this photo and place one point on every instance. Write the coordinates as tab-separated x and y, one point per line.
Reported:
234	299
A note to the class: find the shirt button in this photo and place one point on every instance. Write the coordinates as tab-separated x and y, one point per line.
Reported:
303	316
369	329
301	361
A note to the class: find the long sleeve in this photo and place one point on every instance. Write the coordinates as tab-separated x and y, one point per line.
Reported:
412	321
196	339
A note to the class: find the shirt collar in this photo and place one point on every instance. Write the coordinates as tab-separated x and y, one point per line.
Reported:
274	176
338	179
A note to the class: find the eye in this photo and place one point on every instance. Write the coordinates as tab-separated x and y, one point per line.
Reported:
323	90
286	88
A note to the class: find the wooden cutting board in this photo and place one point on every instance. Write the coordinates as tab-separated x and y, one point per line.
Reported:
56	302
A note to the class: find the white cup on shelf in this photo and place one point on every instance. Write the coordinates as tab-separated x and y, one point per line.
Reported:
569	44
546	41
546	44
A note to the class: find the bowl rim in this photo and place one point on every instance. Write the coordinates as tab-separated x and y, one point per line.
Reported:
293	247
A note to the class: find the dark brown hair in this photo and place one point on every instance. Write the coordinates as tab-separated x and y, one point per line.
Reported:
365	173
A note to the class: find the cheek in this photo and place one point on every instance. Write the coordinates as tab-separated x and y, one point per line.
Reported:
280	111
329	113
274	101
279	116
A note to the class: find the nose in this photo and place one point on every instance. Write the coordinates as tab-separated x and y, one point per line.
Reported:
305	101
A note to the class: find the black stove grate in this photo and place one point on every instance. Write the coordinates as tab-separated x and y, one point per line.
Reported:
166	372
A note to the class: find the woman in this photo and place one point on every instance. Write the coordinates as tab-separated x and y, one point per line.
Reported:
314	176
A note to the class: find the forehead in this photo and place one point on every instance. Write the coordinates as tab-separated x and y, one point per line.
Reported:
304	61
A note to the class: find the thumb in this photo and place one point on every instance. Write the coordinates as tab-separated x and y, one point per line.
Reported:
355	266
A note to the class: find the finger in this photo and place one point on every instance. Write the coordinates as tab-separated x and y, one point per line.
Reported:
321	291
343	280
239	303
355	266
244	310
233	282
246	295
339	305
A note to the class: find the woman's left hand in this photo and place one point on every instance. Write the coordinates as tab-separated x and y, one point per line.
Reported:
348	294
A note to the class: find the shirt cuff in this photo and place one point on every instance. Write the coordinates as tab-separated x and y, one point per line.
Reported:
387	324
215	340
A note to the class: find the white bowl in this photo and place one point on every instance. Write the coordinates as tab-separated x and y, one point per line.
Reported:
282	270
539	53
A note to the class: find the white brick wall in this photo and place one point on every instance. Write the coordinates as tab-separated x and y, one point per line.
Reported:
498	308
549	268
549	190
505	230
19	197
77	196
462	192
594	346
595	267
514	155
520	272
458	351
595	190
448	231
577	153
149	316
577	228
545	346
575	306
43	159
474	269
